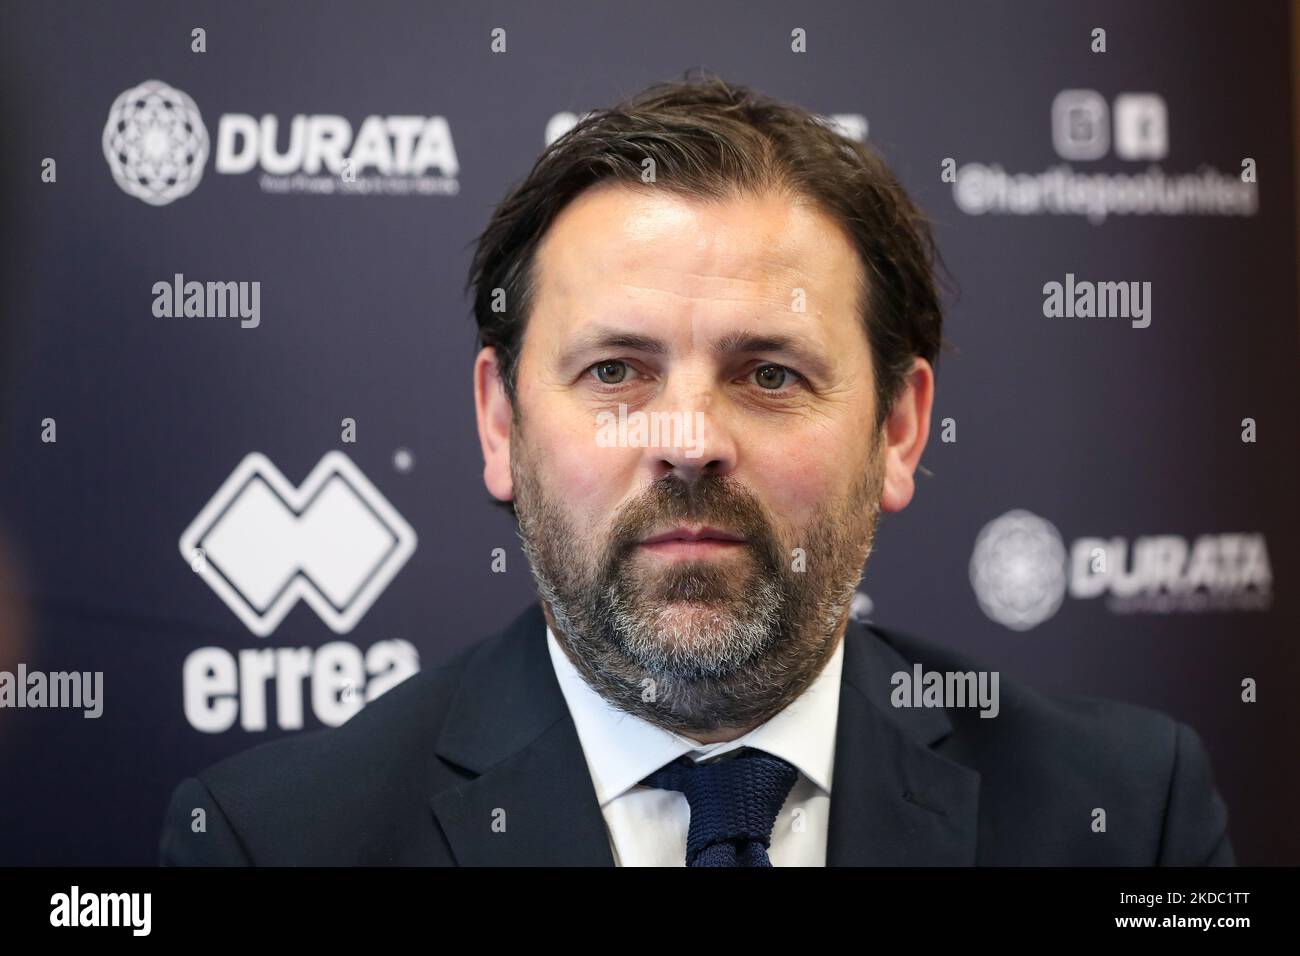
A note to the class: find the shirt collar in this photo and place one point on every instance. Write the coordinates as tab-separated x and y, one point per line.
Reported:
623	749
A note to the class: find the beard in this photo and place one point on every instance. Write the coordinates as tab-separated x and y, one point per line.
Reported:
697	646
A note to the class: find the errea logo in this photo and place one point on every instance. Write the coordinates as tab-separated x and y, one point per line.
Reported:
334	541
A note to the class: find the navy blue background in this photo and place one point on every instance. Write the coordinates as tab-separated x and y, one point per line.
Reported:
1104	429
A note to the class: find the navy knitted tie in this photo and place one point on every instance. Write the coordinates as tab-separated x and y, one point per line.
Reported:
734	803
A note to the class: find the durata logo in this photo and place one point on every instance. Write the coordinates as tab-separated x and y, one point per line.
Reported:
155	143
389	154
156	146
1020	572
262	544
1161	573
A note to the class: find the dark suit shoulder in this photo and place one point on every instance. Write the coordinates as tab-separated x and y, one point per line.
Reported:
401	718
1056	768
1094	723
350	794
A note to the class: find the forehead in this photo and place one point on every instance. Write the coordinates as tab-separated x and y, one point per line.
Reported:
667	255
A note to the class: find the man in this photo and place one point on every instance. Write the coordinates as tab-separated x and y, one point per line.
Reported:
709	328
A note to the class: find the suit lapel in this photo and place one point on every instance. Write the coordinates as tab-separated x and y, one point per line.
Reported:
894	800
532	803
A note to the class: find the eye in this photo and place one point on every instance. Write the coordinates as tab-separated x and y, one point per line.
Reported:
772	377
610	373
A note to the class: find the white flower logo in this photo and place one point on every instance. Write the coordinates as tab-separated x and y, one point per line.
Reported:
155	143
1018	570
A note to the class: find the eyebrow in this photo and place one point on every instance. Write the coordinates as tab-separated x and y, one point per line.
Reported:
733	343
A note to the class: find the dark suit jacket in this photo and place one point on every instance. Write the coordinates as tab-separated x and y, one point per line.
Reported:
418	776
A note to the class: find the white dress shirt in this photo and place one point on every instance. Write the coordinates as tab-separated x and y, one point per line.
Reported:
648	826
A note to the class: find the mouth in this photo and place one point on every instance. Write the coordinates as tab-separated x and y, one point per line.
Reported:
692	542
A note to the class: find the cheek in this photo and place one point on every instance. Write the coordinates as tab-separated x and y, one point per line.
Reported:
796	480
583	478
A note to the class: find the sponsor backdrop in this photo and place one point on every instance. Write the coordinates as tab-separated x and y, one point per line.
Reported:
241	478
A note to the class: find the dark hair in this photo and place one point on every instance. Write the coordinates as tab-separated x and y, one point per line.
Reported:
712	140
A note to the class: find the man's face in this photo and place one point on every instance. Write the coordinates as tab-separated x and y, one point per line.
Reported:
693	372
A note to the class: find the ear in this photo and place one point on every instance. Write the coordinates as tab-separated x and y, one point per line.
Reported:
492	407
905	433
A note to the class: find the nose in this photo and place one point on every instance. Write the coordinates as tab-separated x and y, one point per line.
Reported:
688	469
699	441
